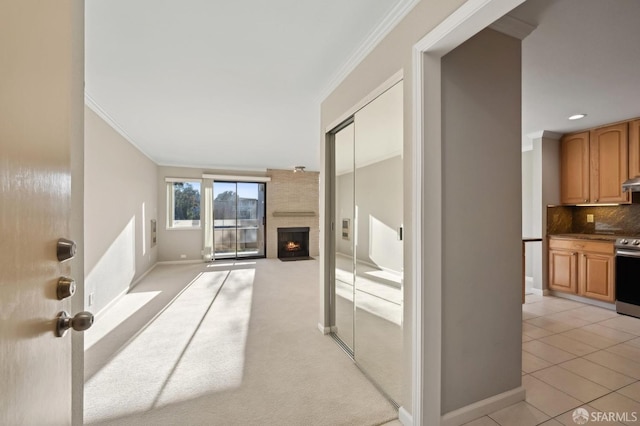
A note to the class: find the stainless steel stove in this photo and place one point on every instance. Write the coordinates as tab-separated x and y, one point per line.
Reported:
628	276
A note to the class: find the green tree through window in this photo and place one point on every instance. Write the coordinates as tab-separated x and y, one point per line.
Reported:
187	201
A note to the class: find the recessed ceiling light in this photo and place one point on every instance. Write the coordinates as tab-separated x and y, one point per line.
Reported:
577	116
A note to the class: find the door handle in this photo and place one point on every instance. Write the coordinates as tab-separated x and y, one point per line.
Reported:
80	322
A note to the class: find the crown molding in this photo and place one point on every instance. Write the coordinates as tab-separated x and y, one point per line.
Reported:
513	27
90	102
399	11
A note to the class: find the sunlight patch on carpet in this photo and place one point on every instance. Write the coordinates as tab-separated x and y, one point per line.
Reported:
194	347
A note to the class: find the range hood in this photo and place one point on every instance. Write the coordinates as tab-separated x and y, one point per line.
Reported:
631	185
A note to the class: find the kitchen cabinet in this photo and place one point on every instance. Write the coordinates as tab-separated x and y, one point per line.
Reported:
634	148
594	164
574	165
608	152
582	267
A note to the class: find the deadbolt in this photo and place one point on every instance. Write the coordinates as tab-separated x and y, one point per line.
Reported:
66	287
66	249
80	322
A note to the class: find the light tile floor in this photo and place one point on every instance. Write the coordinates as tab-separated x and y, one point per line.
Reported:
575	355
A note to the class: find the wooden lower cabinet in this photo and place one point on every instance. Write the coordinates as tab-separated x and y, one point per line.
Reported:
582	267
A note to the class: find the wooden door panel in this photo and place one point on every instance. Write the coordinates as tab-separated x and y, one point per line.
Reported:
563	271
609	163
575	168
634	148
40	92
597	279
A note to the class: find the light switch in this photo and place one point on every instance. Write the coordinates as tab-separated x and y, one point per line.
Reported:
589	218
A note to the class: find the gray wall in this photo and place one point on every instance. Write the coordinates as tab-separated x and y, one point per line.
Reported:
481	311
120	199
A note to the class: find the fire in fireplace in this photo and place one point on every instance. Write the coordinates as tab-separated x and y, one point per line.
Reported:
293	243
292	246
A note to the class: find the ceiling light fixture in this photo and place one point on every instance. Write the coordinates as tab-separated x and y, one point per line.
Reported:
577	116
297	169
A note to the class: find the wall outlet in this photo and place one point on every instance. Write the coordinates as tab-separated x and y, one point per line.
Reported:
91	296
589	218
183	256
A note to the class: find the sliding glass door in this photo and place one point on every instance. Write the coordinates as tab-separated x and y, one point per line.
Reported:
238	219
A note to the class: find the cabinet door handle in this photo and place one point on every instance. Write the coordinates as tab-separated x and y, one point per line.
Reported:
585	200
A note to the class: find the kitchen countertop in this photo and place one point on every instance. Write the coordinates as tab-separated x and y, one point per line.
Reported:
597	237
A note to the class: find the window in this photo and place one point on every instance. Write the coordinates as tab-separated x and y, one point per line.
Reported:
183	203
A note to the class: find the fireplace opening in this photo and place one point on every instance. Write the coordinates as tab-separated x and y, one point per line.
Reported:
293	243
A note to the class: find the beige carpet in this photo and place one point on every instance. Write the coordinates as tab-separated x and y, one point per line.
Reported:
231	343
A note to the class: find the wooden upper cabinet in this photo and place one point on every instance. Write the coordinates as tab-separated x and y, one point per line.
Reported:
634	148
608	151
575	168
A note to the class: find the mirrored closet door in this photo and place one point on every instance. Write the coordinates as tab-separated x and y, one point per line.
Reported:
368	233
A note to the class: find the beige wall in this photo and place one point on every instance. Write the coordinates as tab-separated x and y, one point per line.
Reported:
292	192
392	54
173	243
377	195
120	199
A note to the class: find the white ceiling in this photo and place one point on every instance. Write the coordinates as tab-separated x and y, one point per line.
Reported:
237	85
583	57
233	85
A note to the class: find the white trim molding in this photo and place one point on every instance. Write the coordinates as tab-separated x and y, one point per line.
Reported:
386	85
392	19
482	408
323	329
180	262
237	178
93	106
513	27
405	417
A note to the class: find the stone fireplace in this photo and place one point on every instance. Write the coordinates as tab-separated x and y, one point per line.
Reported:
292	202
293	243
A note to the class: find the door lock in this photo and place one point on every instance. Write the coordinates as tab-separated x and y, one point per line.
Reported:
80	322
66	287
65	249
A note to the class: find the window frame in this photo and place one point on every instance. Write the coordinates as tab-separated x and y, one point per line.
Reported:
171	205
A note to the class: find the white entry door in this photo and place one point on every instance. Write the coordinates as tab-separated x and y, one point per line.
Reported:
41	80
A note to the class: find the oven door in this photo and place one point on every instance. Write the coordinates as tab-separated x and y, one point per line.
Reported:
628	282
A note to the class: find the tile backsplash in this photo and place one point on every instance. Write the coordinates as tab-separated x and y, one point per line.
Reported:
617	220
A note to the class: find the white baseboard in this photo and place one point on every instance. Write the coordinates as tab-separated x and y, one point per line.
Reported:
586	300
482	408
123	292
137	280
537	291
405	417
180	262
323	329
